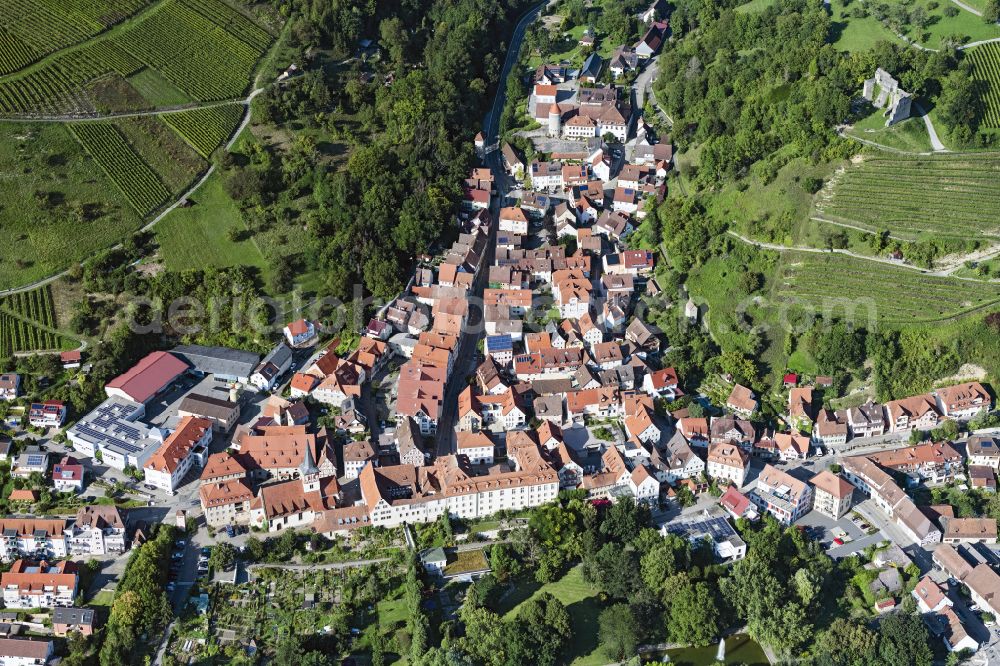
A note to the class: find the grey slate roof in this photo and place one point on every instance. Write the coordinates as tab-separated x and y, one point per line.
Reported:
78	616
218	360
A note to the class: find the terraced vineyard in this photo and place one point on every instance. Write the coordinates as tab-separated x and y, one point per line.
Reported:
25	320
836	283
31	29
205	129
985	61
196	54
205	48
945	195
57	85
138	182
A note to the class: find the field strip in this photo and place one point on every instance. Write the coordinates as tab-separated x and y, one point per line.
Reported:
874	144
85	117
848	253
857	228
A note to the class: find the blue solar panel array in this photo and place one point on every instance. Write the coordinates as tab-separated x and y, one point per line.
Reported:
110	424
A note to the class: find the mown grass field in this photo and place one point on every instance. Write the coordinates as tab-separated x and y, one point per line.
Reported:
873	292
856	34
197	237
909	135
56	205
946	195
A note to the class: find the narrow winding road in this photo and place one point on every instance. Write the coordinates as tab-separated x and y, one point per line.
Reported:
465	358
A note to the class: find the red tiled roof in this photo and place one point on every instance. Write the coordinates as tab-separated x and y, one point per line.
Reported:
147	377
298	327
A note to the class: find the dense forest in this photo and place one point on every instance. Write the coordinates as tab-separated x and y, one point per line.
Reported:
395	197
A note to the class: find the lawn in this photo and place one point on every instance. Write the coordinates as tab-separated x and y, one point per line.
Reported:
484	526
965	24
392	613
856	34
940	195
157	90
853	34
909	135
103	598
197	237
583	605
754	6
56	206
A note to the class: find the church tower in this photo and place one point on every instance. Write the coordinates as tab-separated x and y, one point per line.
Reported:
308	472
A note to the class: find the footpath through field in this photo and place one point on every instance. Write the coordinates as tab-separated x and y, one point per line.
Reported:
879	260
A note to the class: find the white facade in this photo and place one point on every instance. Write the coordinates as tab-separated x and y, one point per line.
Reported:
51	546
96	541
718	470
469	506
25	651
39	596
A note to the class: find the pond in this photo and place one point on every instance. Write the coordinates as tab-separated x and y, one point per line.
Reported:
740	649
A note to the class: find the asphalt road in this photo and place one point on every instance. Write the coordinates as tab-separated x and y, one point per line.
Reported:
465	358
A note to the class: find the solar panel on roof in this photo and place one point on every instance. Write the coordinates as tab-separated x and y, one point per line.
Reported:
35	460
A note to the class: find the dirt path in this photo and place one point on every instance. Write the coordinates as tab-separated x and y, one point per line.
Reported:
816	250
879	260
856	228
931	132
85	117
951	263
874	144
971	10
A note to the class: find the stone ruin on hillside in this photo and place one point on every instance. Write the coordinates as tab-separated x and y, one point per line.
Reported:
883	91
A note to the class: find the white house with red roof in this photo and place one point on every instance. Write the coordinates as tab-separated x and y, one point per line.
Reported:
737	504
931	597
71	359
300	332
185	448
629	262
67	475
662	384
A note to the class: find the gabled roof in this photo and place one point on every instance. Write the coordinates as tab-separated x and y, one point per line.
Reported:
149	376
832	484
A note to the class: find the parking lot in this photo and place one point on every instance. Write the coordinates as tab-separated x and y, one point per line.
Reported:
842	537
